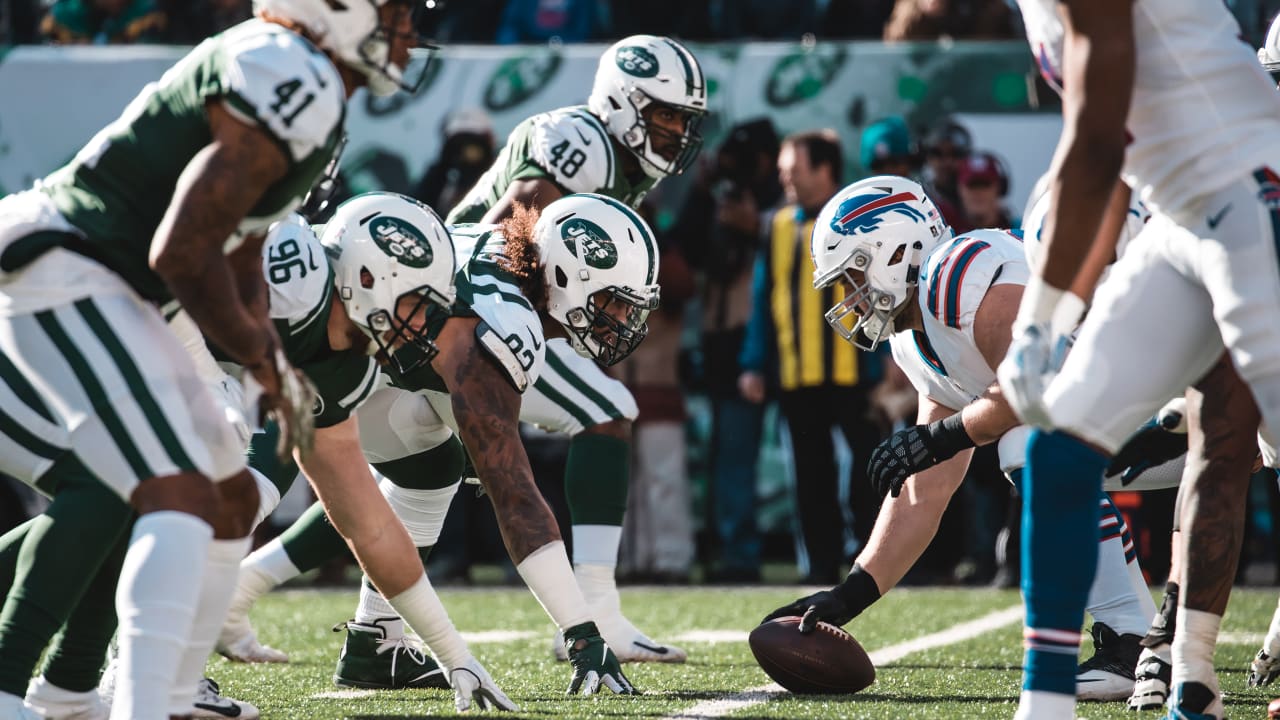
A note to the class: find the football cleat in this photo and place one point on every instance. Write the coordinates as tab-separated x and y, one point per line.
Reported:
212	704
54	703
1194	701
631	645
1263	669
238	642
1108	675
372	660
1151	679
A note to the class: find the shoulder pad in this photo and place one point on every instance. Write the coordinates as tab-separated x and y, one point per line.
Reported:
297	272
280	82
956	275
510	353
573	148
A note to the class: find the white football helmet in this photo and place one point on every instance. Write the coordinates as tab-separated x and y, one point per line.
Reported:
354	33
600	261
1033	225
636	72
872	237
385	247
1269	53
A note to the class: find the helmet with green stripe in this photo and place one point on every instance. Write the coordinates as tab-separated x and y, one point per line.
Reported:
600	262
644	76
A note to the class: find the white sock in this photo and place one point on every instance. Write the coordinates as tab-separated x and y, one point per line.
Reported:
1272	643
222	566
547	573
1193	647
596	544
599	588
1119	597
1040	705
156	600
373	606
264	569
422	608
268	497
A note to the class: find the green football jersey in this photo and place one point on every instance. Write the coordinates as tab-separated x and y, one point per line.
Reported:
119	186
510	329
300	293
569	147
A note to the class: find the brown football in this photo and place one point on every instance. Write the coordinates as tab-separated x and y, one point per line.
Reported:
827	660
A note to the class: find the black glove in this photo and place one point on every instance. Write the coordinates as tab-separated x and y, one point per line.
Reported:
1153	444
836	606
913	449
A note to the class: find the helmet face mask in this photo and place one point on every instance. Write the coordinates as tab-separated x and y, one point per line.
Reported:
612	323
406	340
385	76
873	310
645	137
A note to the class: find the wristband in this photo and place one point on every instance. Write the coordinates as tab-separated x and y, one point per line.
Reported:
948	437
858	591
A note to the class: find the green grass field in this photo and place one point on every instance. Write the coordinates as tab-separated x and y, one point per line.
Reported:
972	678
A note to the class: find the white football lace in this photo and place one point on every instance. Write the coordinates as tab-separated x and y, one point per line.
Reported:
402	644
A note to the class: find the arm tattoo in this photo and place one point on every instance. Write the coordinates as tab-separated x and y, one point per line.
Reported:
488	410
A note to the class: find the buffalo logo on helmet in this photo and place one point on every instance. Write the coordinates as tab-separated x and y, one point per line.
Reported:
637	61
597	248
862	213
401	241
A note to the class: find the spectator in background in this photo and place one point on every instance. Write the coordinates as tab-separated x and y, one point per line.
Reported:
955	19
819	378
104	22
657	536
539	21
468	150
462	21
886	148
719	229
191	21
685	19
983	183
947	144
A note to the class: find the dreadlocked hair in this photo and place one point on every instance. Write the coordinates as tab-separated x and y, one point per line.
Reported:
521	256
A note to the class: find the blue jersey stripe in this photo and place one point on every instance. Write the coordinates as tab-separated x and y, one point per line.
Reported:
927	353
955	280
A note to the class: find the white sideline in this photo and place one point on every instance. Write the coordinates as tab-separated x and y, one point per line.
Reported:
884	656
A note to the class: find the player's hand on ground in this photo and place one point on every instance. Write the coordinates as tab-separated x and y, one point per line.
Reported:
472	687
1035	356
823	606
1263	669
898	457
594	664
1154	444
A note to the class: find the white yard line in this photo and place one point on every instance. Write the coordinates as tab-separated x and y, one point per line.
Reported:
884	656
500	636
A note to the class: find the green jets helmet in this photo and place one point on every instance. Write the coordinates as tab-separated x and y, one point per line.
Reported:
635	73
601	267
393	264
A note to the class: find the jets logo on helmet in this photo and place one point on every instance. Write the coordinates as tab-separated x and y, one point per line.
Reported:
637	61
401	240
586	238
862	213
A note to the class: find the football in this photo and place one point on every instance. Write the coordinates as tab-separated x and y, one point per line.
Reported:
828	660
1273	709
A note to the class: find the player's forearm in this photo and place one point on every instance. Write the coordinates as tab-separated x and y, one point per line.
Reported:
210	296
246	268
989	417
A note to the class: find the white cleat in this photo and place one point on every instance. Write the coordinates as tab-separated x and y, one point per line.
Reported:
1151	679
239	643
631	645
55	703
213	705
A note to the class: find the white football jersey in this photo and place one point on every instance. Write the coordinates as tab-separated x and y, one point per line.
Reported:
1203	111
943	361
1033	225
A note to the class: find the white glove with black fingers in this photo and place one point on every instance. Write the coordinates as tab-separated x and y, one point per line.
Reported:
284	394
1042	336
472	686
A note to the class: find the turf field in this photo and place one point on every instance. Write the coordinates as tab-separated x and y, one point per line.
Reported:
941	653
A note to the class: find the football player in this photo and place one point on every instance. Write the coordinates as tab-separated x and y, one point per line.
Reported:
945	305
1207	258
169	203
640	125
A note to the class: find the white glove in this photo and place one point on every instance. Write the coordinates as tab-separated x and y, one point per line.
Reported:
471	682
1042	335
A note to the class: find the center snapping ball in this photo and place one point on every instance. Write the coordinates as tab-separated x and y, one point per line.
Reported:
827	660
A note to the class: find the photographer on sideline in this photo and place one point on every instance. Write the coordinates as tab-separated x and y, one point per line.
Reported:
719	231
